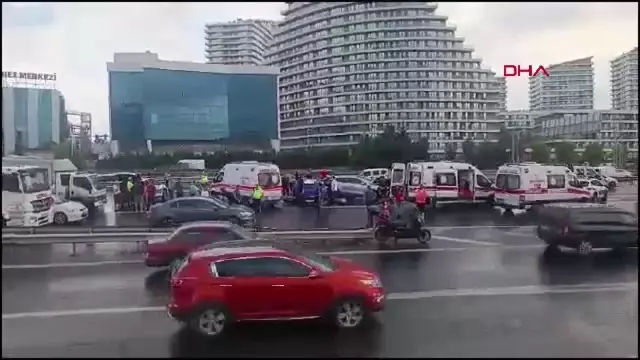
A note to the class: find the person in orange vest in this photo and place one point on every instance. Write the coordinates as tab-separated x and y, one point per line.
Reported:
422	198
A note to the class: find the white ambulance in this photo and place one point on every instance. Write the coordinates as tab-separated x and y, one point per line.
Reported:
245	175
520	186
446	182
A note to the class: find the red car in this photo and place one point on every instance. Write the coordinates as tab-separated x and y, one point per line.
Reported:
217	286
165	251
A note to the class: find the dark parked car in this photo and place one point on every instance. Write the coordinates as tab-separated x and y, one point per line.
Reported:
170	250
587	226
198	208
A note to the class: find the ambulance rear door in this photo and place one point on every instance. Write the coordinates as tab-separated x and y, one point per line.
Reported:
398	174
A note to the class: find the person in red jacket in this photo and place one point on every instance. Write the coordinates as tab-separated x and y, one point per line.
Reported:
149	193
422	199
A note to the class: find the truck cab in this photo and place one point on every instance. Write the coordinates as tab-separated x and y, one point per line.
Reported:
26	196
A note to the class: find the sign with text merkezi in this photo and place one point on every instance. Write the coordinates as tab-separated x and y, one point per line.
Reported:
28	76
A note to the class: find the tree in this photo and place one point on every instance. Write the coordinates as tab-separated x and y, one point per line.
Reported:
619	155
540	152
450	151
565	152
593	154
469	151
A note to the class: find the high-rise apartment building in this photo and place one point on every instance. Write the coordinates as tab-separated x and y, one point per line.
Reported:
502	86
569	86
240	42
624	81
348	69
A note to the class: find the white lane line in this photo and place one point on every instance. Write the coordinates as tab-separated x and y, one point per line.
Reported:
464	241
345	252
418	295
514	233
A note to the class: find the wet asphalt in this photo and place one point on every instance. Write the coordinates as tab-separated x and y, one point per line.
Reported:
484	287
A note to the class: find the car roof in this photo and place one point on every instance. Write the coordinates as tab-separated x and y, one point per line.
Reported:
235	252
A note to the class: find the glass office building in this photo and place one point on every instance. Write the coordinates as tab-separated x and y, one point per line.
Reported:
179	102
31	118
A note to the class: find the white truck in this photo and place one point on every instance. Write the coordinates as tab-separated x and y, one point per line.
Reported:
65	181
26	196
191	164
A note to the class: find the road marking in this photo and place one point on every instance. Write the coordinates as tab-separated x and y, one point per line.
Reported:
343	252
514	233
464	241
418	295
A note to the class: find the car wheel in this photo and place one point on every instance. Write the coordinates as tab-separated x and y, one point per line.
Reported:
585	247
167	221
210	322
60	218
234	221
349	313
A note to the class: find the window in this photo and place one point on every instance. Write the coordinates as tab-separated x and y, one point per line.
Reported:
64	179
219	176
261	267
596	183
366	173
415	178
482	181
605	218
508	181
268	178
189	204
397	176
351	180
556	181
82	182
285	267
446	179
10	183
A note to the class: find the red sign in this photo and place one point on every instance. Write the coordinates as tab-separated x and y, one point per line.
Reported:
518	70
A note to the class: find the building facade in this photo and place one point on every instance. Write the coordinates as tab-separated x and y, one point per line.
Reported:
31	118
609	128
167	102
240	42
519	120
569	87
502	85
348	69
624	81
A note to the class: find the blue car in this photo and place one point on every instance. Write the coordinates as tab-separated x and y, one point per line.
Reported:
311	192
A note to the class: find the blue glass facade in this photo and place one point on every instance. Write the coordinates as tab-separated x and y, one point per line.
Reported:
175	105
31	118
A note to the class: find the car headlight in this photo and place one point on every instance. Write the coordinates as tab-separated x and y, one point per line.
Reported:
375	283
246	214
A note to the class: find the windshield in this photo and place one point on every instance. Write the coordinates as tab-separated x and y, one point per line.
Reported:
268	178
591	173
318	261
34	180
95	180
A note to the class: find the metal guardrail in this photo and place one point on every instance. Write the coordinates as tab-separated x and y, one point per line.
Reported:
120	229
141	239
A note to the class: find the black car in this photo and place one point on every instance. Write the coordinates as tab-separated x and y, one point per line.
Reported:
198	208
587	226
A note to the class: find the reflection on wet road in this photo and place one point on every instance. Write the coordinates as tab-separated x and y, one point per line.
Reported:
485	287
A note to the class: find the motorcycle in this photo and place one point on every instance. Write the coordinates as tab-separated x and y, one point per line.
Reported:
384	230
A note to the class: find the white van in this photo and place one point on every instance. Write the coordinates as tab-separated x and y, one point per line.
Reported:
245	176
613	172
445	181
374	173
519	186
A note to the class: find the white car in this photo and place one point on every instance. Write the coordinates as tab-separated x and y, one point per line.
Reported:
65	212
598	186
5	218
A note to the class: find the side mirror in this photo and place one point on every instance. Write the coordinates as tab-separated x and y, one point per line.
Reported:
314	274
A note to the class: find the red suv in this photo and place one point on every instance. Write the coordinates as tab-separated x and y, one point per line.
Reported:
214	287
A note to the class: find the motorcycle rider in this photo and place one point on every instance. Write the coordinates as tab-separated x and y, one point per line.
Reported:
405	214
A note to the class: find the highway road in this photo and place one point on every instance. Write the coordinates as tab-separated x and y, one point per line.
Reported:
476	291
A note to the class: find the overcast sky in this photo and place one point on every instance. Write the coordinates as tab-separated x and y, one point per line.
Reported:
75	40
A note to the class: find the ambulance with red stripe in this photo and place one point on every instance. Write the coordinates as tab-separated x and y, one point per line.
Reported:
245	176
520	186
446	182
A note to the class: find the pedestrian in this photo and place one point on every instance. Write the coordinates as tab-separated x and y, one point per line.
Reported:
333	189
193	189
285	185
129	193
256	198
204	180
150	193
178	191
138	194
422	198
